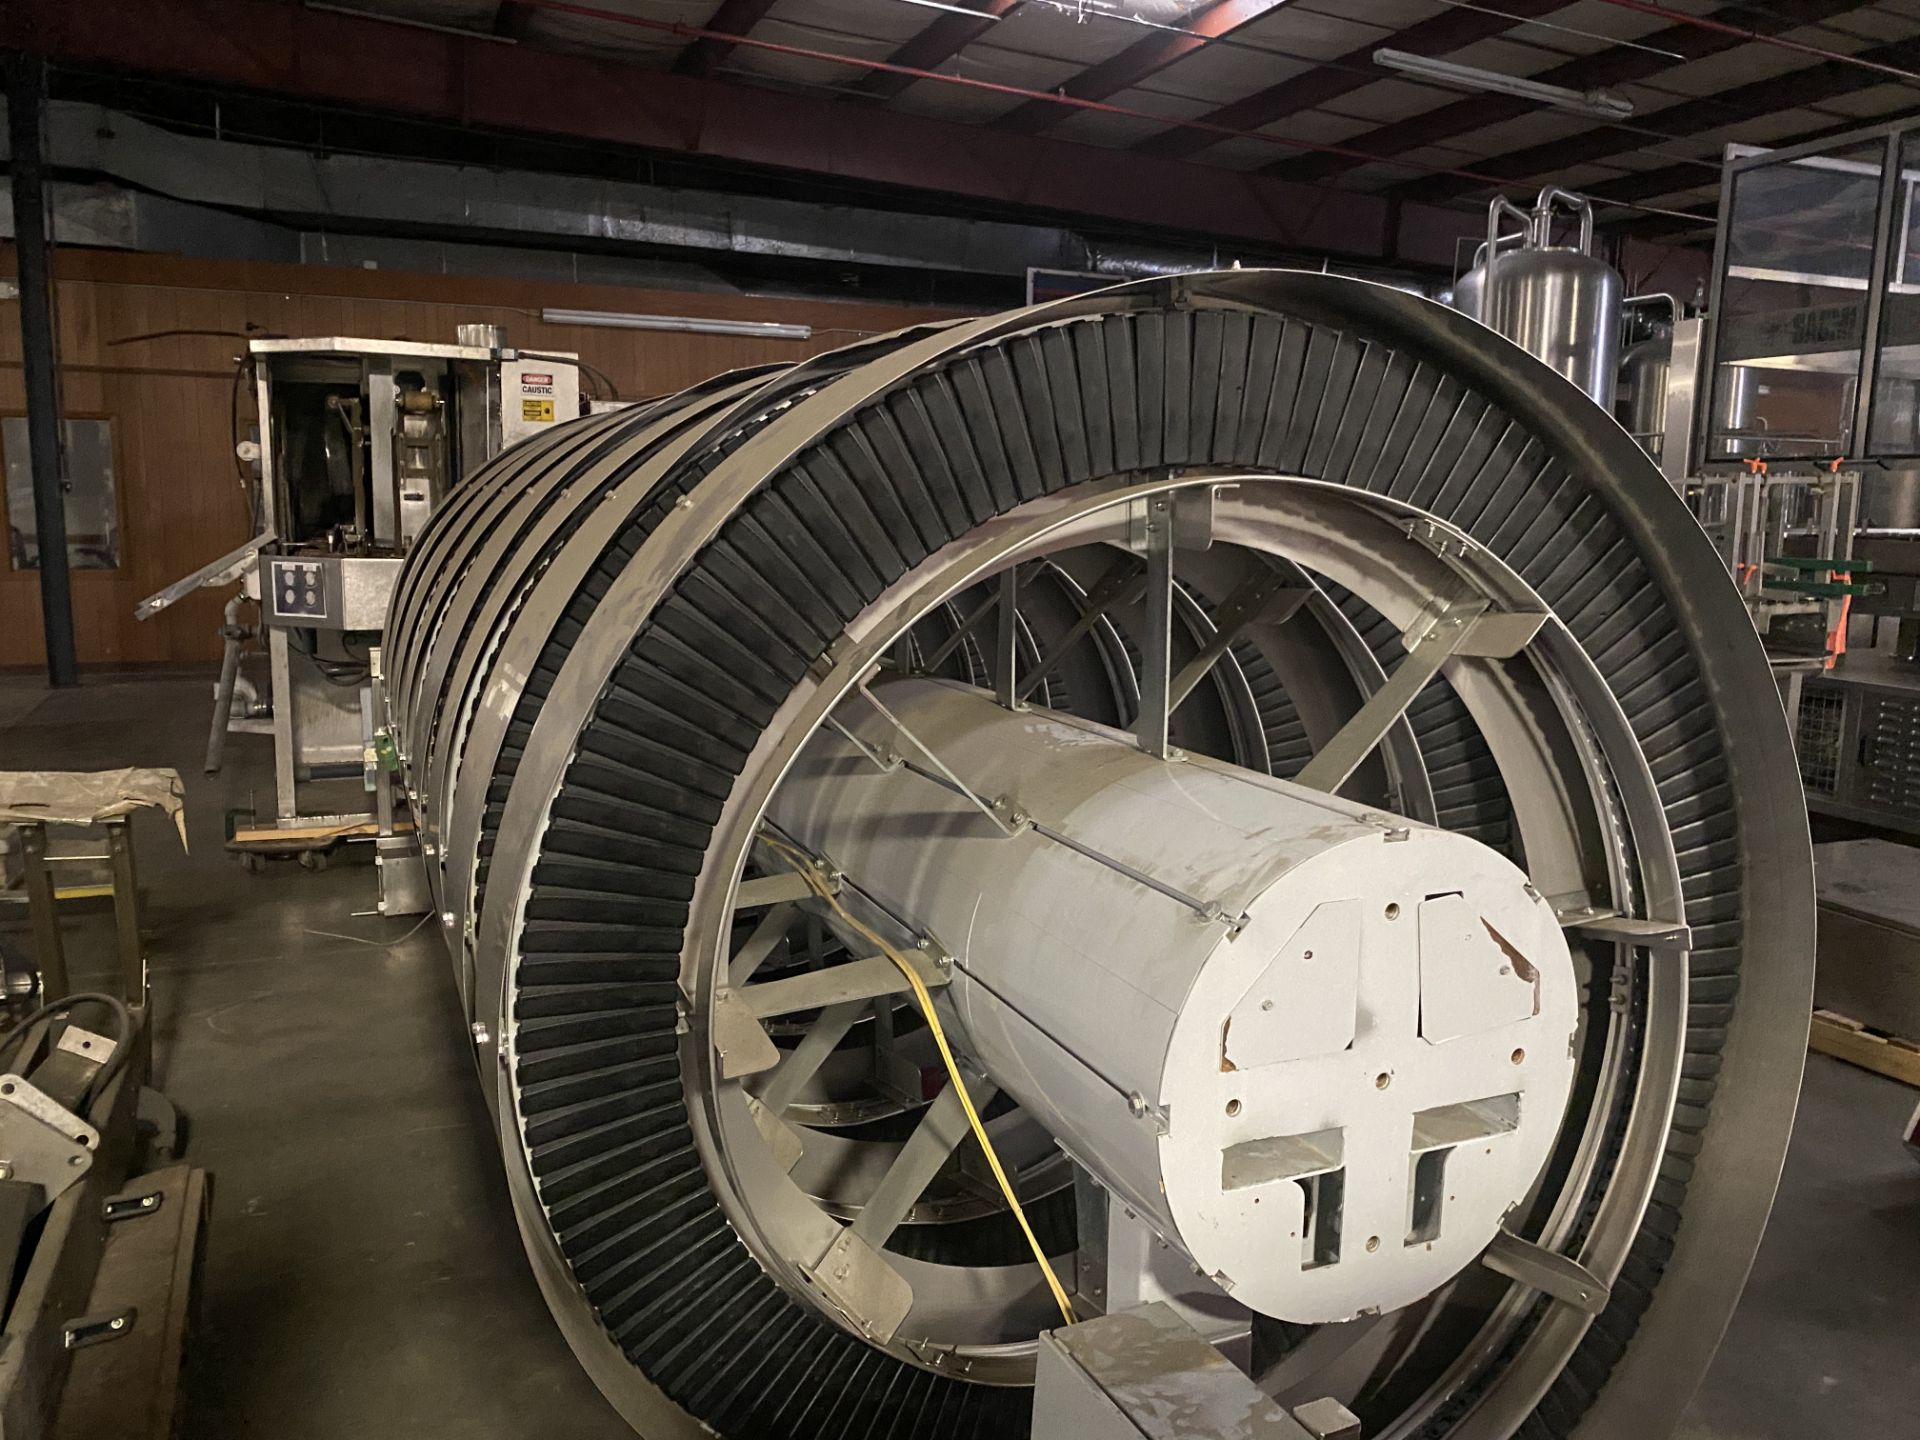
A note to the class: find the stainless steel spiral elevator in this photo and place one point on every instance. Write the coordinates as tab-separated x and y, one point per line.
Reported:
1289	746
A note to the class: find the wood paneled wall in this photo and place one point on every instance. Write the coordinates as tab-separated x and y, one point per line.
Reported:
171	400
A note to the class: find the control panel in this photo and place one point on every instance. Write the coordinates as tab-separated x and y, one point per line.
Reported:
301	588
327	592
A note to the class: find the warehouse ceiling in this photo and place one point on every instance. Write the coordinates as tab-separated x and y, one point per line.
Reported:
1293	88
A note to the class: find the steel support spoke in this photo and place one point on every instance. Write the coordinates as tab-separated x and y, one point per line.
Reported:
1156	644
926	1152
803	1062
1120	585
985	807
753	953
1007	647
1334	763
818	989
954	641
771	890
1271	598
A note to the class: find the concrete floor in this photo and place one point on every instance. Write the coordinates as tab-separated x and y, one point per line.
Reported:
364	1276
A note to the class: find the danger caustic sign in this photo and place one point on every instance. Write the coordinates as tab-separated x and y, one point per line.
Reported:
535	394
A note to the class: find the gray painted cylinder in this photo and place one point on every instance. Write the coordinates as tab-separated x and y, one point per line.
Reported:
1267	1019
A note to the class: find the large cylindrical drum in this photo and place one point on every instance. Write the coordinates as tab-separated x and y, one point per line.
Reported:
1275	743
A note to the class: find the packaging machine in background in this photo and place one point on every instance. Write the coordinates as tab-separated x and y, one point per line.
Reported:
358	442
1790	414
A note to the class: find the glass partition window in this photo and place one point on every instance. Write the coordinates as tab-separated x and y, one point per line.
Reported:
93	515
1894	427
1793	305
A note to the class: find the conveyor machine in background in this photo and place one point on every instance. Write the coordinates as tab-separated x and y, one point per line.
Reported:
357	443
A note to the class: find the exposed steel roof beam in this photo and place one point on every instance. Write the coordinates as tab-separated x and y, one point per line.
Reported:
1612	66
734	17
330	57
1745	102
1450	30
935	45
1141	60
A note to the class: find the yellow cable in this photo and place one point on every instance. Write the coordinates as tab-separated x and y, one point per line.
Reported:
804	866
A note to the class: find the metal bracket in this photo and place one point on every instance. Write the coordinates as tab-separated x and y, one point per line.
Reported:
739	1039
98	1329
782	1139
1552	1274
1328	1419
131	1207
1602	924
1192	512
1160	1117
42	1143
885	761
858	1282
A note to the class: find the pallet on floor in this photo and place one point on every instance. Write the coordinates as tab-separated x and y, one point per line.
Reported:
1847	1039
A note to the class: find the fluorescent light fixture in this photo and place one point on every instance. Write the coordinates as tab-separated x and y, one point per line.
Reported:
1601	103
694	324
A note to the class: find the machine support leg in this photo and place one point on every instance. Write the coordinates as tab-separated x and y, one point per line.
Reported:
26	115
126	913
43	908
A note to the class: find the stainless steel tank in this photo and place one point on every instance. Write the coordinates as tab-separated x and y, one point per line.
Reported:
1642	405
1559	303
1737	430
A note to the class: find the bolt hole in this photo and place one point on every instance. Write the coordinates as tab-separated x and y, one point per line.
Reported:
1382	1080
6	1089
1233	1107
1373	1243
1393	910
1519	1057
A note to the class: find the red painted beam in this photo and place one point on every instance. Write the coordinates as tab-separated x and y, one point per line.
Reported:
1447	31
329	57
1141	60
1613	66
934	46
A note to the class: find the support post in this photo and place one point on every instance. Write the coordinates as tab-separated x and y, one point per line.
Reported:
1156	644
126	912
43	906
26	114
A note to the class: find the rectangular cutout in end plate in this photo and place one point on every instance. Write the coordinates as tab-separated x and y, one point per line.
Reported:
1445	1126
1281	1157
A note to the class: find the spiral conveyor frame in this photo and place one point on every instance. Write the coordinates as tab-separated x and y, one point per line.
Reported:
608	648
